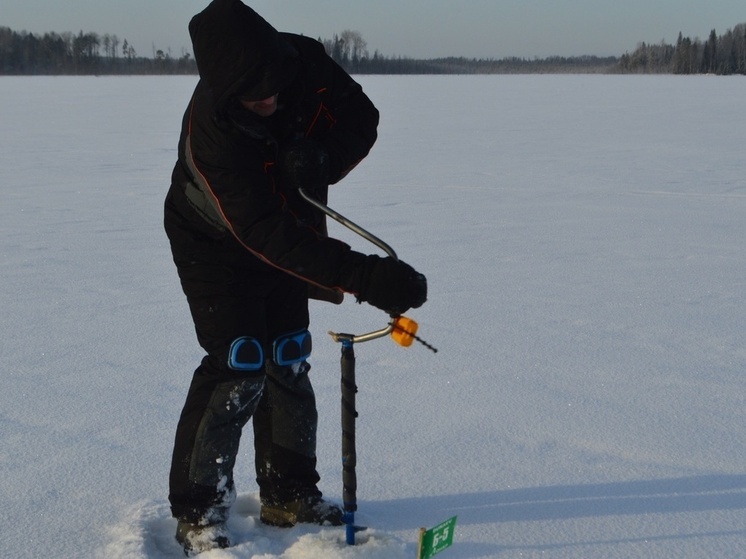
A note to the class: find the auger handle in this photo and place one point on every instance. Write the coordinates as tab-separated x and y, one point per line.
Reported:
341	338
338	217
405	338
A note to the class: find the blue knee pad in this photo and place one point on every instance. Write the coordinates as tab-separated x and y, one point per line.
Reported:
292	348
246	354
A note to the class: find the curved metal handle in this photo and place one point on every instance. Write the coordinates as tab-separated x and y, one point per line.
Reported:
367	235
338	217
352	338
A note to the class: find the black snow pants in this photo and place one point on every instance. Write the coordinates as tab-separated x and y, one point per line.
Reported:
234	297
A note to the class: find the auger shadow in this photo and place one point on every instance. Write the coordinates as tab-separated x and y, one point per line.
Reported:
687	494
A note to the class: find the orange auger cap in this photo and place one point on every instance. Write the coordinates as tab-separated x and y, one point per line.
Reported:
404	331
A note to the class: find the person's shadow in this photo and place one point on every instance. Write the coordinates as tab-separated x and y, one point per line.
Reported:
561	502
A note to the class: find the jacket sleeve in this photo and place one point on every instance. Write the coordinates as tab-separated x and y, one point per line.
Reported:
346	122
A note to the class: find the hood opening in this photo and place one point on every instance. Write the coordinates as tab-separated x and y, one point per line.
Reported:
239	54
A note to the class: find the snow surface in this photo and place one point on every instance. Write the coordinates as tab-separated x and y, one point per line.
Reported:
583	237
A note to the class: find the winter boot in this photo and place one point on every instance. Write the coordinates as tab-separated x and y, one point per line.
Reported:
196	538
307	510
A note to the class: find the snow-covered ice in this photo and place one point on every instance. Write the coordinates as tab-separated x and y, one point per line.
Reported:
583	238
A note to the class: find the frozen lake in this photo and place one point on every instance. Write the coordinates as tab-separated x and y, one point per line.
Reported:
583	238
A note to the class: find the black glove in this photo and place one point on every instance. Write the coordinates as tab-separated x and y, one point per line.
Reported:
392	285
304	164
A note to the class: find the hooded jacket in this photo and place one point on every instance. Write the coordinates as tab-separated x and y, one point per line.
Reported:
225	184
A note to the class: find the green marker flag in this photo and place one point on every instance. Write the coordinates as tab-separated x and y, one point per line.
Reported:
436	539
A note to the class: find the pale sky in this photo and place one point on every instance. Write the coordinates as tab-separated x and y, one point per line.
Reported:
413	28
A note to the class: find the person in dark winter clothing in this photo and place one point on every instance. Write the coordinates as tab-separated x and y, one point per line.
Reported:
271	113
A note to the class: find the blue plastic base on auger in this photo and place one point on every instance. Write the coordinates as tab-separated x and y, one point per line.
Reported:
350	528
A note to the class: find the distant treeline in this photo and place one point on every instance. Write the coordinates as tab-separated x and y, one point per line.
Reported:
85	53
719	54
350	50
23	53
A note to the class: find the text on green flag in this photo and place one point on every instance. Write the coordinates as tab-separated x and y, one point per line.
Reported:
436	539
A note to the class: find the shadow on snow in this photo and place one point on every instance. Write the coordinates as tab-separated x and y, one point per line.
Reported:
562	502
